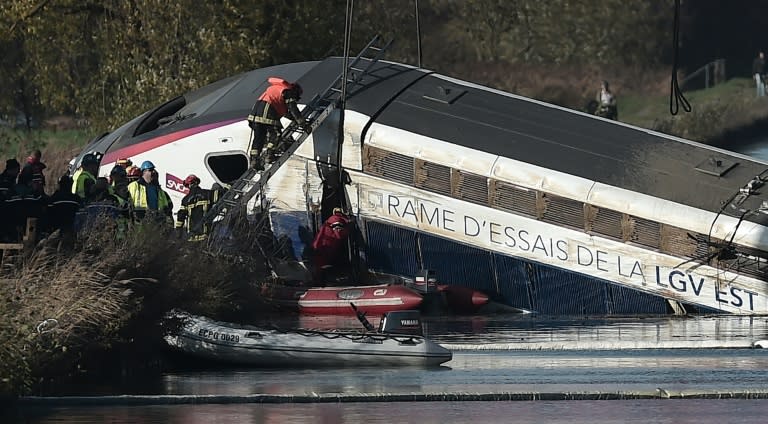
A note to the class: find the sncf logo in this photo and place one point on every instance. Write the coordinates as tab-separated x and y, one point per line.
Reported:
175	183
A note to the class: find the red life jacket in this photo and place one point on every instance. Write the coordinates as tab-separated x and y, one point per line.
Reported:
330	240
274	95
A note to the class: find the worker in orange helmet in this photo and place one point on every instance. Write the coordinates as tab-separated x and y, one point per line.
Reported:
278	100
125	163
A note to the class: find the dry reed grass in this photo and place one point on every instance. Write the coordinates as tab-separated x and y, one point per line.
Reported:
71	300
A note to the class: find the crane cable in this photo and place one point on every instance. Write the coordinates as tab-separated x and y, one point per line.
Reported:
676	97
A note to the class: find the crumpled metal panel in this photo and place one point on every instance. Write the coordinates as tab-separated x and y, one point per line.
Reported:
433	177
457	263
391	249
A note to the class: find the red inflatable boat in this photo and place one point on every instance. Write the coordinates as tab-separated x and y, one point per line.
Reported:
393	294
372	300
369	299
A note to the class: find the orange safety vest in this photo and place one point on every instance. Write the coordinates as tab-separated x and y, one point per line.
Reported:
274	95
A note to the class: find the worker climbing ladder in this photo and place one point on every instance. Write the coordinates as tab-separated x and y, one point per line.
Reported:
252	182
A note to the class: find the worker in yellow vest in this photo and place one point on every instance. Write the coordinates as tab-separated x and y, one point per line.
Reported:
85	176
148	197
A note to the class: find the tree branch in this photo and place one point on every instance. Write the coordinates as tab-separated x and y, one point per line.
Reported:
30	14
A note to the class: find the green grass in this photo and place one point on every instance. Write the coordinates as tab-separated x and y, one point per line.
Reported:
18	143
647	111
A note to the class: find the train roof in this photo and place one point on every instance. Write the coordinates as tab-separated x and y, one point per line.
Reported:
564	140
492	121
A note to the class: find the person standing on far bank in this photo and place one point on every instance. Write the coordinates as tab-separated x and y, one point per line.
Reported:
758	67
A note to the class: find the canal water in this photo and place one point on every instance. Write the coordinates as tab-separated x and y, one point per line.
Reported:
574	359
756	147
697	411
500	357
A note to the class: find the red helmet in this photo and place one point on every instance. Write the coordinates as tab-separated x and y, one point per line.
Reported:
133	171
191	179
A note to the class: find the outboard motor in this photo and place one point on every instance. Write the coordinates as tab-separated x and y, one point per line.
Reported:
425	282
401	322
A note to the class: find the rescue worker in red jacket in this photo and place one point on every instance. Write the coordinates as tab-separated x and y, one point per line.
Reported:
34	166
278	100
330	243
193	208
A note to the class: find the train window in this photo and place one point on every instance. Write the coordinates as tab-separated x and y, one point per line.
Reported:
226	167
152	120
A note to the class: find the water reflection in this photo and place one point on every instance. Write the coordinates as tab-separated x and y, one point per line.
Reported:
512	369
757	148
479	371
325	381
710	411
517	331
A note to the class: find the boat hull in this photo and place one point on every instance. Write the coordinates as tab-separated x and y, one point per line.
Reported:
229	343
463	300
372	300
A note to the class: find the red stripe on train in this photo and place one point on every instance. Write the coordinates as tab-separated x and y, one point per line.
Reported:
153	143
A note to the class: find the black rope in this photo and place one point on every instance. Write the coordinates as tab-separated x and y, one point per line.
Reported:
676	97
347	41
349	335
418	34
343	95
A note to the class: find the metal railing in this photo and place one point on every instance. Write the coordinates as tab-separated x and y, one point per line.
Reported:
714	73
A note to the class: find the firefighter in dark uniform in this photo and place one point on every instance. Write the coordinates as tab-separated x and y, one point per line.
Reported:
278	100
8	179
63	206
193	208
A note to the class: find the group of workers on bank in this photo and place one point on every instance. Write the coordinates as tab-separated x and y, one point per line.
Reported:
129	194
132	193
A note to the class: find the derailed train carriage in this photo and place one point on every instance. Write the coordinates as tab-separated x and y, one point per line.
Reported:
550	210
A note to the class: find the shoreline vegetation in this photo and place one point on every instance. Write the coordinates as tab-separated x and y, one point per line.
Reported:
70	303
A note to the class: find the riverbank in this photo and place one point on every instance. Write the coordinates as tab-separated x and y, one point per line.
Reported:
722	115
71	304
